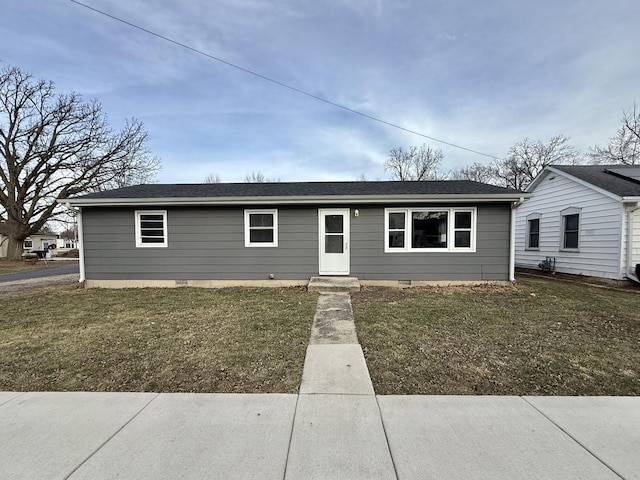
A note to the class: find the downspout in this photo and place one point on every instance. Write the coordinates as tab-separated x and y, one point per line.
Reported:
629	266
80	241
512	240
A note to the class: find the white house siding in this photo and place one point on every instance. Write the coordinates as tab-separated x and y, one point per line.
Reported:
4	242
599	236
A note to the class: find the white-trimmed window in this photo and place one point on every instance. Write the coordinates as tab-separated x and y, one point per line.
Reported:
261	228
430	230
533	231
28	243
570	239
151	228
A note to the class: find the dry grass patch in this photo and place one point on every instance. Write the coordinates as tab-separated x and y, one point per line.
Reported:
538	337
161	340
13	266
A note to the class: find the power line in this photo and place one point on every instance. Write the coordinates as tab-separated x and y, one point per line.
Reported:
280	84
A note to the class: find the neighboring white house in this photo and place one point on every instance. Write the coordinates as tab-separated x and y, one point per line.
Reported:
585	218
36	242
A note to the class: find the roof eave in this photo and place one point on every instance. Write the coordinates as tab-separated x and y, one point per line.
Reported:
291	200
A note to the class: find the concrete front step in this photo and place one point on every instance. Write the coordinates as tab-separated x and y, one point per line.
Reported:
334	284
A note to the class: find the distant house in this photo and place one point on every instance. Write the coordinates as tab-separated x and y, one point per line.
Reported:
4	239
40	241
586	219
218	234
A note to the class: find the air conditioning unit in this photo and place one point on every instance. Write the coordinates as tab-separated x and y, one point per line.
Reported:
548	264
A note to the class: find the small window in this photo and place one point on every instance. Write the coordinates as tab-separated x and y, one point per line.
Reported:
533	233
151	229
397	229
260	228
28	243
462	230
571	227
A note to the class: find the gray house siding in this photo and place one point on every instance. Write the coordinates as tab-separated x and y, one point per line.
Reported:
203	244
207	243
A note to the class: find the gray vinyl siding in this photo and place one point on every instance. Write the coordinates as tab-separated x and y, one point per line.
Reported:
203	244
207	243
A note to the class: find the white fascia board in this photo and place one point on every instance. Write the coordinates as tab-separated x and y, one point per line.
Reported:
291	200
548	170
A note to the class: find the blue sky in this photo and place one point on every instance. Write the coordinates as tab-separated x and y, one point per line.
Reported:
480	74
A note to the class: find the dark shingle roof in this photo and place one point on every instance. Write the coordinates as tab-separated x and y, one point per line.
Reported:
300	189
617	179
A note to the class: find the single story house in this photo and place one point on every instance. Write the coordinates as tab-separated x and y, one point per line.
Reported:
396	233
584	218
40	241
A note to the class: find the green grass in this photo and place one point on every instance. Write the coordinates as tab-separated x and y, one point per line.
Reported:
161	340
539	337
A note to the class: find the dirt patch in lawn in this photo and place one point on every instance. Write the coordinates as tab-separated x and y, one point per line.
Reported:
537	337
160	340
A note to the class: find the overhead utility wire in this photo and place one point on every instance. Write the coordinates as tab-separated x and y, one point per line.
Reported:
284	85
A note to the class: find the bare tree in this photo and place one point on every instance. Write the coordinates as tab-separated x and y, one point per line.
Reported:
476	172
54	146
527	158
212	178
624	147
259	177
416	163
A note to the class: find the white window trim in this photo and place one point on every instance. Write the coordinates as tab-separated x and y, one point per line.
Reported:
450	229
533	216
24	243
138	229
247	231
563	214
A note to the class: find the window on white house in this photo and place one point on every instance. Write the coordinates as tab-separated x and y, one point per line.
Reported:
151	228
261	228
533	233
571	229
28	243
421	229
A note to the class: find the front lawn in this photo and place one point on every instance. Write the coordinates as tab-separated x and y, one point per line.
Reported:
160	340
538	337
13	266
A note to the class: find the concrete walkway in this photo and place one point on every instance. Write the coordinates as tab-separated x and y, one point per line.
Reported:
336	428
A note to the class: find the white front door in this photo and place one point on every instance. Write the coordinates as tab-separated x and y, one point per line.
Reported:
334	241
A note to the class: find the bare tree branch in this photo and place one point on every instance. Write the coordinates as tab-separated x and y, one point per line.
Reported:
259	177
212	178
54	146
624	147
417	163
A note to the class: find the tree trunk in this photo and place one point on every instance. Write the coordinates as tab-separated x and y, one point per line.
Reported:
14	249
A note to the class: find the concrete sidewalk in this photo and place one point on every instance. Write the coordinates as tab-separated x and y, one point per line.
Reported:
97	436
335	428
